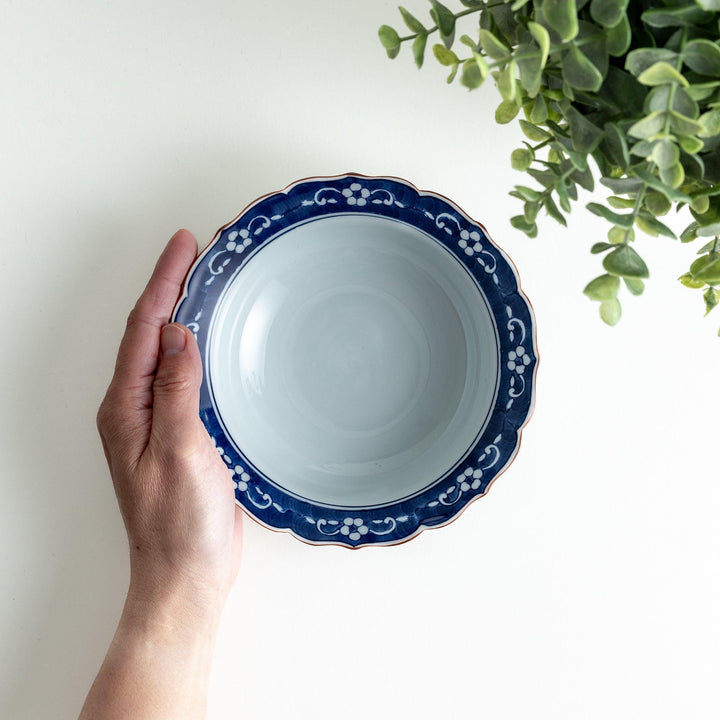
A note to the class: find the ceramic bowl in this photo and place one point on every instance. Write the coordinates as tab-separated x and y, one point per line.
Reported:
368	358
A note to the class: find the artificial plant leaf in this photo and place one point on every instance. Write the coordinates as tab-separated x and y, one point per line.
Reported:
418	49
533	132
553	211
520	223
689	233
608	13
680	16
690	144
444	18
665	153
622	185
600	247
707	269
684	125
493	47
672	175
623	221
617	145
593	45
546	178
649	126
669	97
539	110
709	230
702	56
542	38
637	61
711	297
618	236
604	287
585	135
656	184
620	203
444	56
635	285
583	177
700	204
388	37
530	70
656	203
530	211
506	82
702	91
661	73
579	72
504	22
625	262
611	311
411	21
652	226
561	16
690	282
622	93
619	37
521	159
563	197
527	193
506	111
472	76
709	124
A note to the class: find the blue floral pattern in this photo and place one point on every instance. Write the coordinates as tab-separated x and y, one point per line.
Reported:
469	242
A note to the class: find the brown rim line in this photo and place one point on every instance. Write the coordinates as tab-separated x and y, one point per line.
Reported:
521	292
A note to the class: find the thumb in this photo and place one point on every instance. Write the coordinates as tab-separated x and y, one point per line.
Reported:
176	389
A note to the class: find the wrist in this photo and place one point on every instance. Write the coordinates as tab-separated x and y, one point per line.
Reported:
179	605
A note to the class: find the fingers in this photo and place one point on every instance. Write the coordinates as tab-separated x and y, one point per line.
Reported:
138	353
176	392
125	415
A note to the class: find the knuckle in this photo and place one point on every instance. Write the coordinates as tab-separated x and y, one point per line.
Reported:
176	383
102	419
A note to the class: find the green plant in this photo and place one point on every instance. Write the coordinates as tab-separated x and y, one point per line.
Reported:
632	86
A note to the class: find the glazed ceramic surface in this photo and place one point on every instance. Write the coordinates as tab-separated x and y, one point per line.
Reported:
368	358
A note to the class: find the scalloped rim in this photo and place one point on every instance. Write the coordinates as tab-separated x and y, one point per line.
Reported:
460	509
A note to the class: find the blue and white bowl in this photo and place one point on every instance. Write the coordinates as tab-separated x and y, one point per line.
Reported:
369	358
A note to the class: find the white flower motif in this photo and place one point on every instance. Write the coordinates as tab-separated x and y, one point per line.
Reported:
354	528
471	479
470	242
238	240
240	478
518	360
356	194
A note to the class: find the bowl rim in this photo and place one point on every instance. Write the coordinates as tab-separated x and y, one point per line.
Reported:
452	510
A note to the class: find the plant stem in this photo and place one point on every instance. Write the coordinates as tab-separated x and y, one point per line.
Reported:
636	208
673	86
462	13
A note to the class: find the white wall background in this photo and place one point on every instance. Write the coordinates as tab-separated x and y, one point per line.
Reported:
585	585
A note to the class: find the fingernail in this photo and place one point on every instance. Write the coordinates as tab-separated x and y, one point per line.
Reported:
172	340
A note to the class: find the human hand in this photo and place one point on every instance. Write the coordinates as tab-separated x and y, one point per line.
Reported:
178	505
174	491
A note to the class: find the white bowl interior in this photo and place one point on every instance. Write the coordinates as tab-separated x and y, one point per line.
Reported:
353	360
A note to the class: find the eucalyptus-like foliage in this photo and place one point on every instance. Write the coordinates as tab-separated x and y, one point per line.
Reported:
634	86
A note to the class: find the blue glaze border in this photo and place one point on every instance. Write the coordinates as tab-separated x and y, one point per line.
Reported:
468	241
